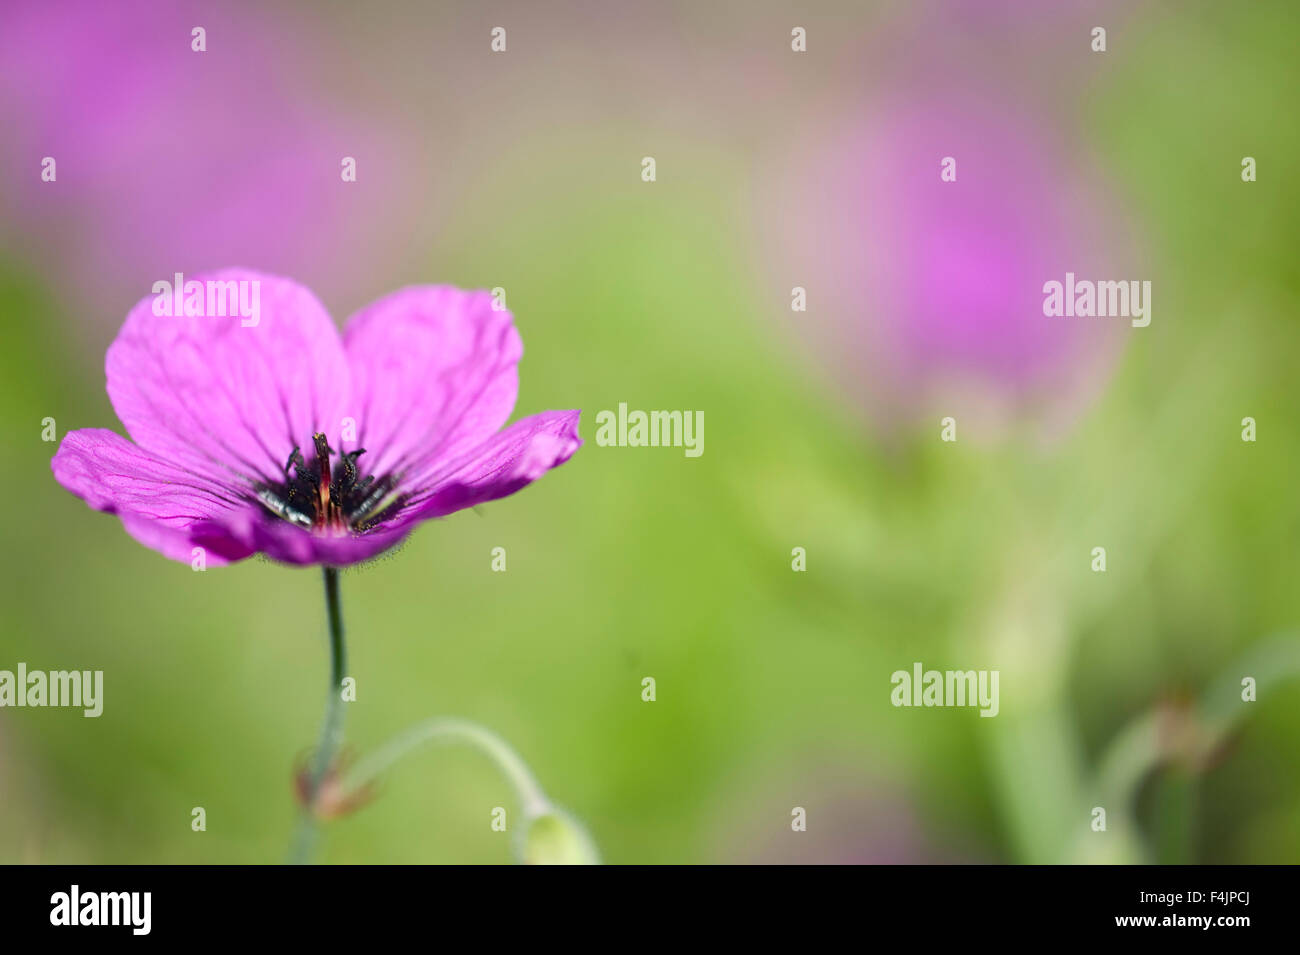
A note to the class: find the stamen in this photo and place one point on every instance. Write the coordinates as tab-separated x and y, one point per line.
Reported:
379	500
276	504
319	499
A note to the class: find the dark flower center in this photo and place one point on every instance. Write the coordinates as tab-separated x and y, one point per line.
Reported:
328	500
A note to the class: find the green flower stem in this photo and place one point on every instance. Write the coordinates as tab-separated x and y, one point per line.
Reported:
1177	798
331	733
1129	759
1271	663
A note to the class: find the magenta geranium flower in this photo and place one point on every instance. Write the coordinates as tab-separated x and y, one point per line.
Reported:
283	438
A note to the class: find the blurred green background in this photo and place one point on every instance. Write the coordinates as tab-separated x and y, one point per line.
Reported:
523	171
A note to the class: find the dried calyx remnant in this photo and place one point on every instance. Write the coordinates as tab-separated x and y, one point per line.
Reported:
316	497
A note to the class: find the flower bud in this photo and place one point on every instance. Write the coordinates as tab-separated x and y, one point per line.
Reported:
555	838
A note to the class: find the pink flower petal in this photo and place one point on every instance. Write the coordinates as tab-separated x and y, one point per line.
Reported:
159	503
502	465
282	541
433	368
216	396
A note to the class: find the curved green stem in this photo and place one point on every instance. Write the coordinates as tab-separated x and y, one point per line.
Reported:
331	732
451	729
548	835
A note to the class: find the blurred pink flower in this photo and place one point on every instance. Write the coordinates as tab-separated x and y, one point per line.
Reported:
170	159
925	295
